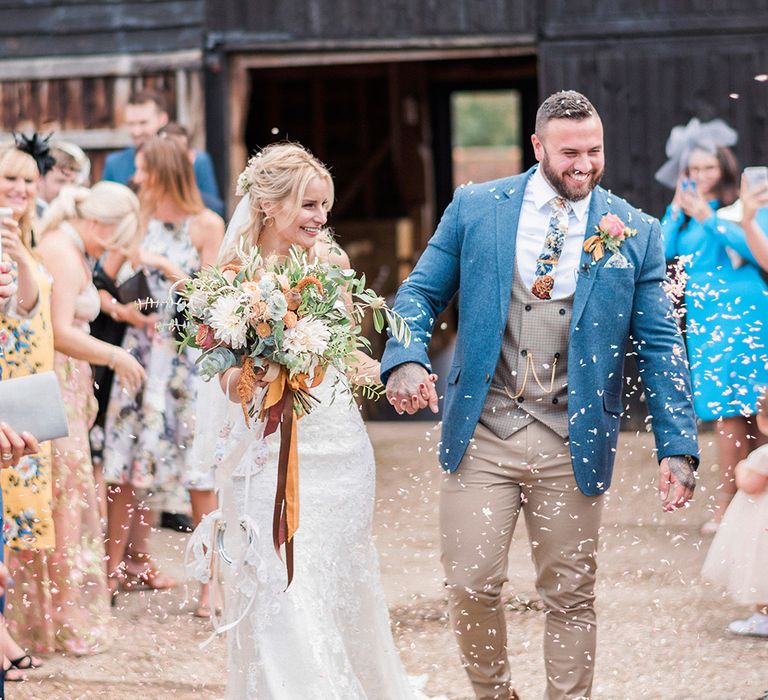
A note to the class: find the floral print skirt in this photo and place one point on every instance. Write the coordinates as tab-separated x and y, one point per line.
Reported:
60	601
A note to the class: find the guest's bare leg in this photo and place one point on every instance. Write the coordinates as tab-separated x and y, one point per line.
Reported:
732	447
121	509
140	570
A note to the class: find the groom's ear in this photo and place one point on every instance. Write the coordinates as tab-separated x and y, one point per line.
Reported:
538	147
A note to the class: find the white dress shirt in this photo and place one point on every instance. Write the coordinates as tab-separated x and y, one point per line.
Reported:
532	228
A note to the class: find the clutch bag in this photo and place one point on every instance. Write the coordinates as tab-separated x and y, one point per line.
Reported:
34	404
136	288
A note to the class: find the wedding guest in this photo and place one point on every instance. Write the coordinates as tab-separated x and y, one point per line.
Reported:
754	220
180	133
725	295
71	593
26	347
72	167
738	556
147	433
145	114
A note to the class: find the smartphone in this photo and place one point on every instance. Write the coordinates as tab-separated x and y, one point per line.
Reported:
5	213
756	176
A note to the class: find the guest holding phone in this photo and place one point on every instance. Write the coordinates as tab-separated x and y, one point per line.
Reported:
726	334
754	215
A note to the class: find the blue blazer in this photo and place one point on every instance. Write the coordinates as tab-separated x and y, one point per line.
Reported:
473	253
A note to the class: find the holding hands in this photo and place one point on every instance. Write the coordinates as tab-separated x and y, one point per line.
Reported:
677	480
410	388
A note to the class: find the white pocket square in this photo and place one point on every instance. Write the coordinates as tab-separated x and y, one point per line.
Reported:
618	261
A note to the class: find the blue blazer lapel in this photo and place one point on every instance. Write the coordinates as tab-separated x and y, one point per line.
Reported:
507	220
588	267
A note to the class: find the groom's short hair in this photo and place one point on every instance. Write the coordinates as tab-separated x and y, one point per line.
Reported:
566	104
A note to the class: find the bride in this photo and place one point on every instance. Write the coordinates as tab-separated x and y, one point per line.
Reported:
327	636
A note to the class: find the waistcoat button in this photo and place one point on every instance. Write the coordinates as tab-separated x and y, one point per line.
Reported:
528	307
519	399
562	312
555	400
523	352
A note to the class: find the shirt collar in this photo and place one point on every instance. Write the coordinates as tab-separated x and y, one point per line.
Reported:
542	193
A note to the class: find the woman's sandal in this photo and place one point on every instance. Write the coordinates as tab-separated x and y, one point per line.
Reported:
149	579
13	674
25	662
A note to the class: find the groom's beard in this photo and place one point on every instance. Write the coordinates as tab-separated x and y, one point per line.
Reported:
571	192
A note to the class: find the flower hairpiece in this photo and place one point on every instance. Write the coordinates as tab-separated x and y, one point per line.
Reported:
245	179
37	147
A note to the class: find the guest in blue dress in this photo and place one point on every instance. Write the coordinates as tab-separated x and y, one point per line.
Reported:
725	302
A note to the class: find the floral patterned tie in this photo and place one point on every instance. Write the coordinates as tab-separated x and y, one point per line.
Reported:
553	247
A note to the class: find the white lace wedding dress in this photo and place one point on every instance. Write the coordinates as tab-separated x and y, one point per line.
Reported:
327	637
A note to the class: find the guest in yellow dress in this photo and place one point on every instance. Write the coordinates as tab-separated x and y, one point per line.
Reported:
26	347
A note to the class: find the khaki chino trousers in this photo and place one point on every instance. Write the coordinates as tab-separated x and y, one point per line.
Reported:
479	505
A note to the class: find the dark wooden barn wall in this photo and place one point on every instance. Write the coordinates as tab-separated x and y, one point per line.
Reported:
643	87
316	19
81	27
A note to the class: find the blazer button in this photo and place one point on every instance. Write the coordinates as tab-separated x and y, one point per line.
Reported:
487	377
523	352
520	399
528	307
555	400
562	312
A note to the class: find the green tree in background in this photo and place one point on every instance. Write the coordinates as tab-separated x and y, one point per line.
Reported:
486	118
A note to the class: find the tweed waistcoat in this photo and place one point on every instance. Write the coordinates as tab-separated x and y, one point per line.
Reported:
535	342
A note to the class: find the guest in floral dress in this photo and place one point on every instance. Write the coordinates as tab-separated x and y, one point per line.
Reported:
26	347
147	434
71	603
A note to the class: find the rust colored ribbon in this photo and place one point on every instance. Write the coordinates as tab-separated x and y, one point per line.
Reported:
279	409
594	245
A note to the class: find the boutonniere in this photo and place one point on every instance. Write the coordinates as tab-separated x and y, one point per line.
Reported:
611	233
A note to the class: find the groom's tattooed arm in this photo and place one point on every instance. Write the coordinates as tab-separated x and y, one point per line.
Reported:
677	480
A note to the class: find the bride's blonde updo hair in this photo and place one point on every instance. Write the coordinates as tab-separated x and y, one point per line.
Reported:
109	203
277	176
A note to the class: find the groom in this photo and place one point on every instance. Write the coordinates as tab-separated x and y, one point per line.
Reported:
549	290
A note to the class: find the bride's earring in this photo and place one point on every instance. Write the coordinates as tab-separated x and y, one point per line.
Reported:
268	221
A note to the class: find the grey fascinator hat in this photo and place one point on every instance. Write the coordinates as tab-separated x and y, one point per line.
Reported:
694	136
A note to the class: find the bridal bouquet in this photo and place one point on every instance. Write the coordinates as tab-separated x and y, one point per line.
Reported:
292	318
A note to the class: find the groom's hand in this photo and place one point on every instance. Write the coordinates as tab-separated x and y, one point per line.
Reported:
410	388
677	480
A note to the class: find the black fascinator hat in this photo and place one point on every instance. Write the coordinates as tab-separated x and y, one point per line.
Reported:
37	146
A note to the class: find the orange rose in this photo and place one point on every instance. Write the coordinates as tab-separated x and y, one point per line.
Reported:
290	319
259	308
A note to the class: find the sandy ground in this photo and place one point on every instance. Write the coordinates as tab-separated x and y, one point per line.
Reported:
661	629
